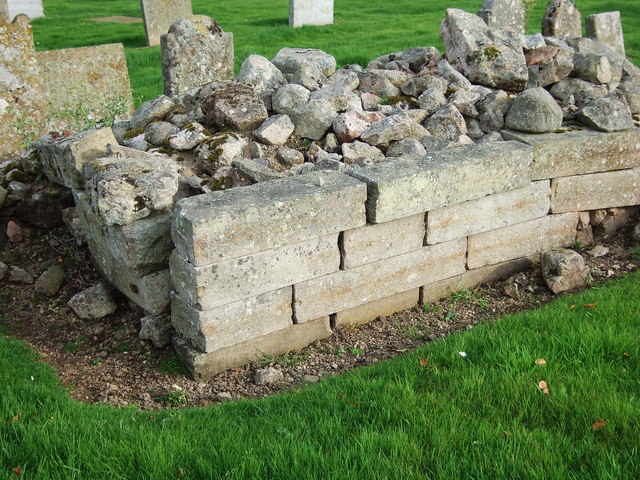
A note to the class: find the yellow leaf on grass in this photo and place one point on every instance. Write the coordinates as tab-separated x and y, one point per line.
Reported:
540	361
423	362
598	425
544	387
18	470
590	305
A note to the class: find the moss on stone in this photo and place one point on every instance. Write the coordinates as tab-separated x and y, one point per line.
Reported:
132	133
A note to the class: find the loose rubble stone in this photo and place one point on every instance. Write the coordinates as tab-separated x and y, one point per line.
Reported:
631	90
234	106
376	83
492	110
4	270
93	302
309	77
188	138
275	130
578	92
290	60
606	114
220	151
431	100
49	283
337	96
590	50
345	79
289	157
598	251
635	235
350	125
406	146
613	219
361	153
446	124
263	75
253	170
19	275
15	233
563	270
533	41
43	210
157	133
395	127
289	97
268	376
313	119
534	111
157	329
503	13
151	111
562	19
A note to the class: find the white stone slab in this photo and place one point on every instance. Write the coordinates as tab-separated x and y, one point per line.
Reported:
310	12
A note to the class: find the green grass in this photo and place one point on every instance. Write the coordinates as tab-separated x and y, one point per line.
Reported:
363	29
429	414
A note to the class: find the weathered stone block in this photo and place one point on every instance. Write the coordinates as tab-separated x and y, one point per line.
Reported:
375	242
350	288
93	79
234	323
4	11
488	213
522	239
310	12
406	186
232	280
159	15
606	27
205	365
235	223
579	152
63	158
598	190
503	13
378	308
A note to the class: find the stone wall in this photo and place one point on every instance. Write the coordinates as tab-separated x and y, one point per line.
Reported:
274	266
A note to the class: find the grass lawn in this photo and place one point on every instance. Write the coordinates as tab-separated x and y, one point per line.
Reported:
363	29
432	413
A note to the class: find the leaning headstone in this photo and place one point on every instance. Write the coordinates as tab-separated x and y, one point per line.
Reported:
503	13
159	15
30	8
195	52
310	12
607	28
91	80
562	19
22	109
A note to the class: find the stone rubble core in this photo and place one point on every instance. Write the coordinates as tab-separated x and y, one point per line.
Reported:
266	211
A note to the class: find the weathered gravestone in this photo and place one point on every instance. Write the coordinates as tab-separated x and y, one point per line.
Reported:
31	8
310	12
195	52
159	15
503	13
562	19
22	108
607	28
91	80
4	11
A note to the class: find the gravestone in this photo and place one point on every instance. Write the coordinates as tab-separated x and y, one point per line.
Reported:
31	8
310	12
92	80
195	52
607	28
159	15
22	109
4	11
503	13
562	19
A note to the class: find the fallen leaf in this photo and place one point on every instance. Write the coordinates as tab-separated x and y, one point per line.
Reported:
180	472
18	470
543	386
598	425
590	305
625	354
540	361
423	362
505	433
572	307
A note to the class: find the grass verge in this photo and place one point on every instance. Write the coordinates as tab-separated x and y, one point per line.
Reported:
433	413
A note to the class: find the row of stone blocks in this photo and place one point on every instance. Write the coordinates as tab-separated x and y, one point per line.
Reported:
272	267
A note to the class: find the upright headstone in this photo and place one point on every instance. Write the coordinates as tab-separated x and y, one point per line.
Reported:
562	19
22	110
195	52
31	8
503	13
85	84
310	12
607	28
4	11
159	15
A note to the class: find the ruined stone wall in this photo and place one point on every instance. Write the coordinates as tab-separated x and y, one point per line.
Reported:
274	266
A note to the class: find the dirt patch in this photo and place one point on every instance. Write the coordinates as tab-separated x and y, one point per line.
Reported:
105	361
118	19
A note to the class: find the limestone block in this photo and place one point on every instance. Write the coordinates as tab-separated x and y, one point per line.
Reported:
503	13
613	219
607	28
31	8
22	105
232	280
63	158
205	365
290	60
310	12
238	222
92	79
488	213
578	152
522	239
403	187
357	286
234	323
375	242
598	190
378	308
159	15
4	11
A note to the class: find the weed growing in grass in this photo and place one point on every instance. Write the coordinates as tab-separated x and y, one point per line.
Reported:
172	364
356	351
175	397
450	316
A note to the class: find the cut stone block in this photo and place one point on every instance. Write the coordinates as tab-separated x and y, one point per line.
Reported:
205	365
378	308
63	158
159	15
92	79
407	186
375	242
31	8
357	286
579	152
606	27
597	190
234	323
310	12
522	239
4	11
488	213
238	222
232	280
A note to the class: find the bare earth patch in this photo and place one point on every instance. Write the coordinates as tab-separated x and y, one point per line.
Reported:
118	19
105	361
